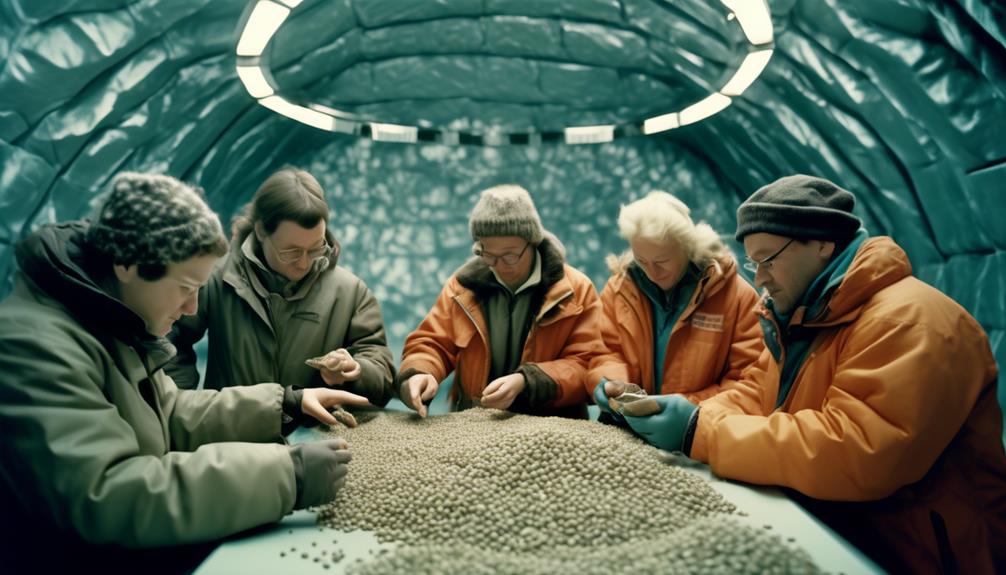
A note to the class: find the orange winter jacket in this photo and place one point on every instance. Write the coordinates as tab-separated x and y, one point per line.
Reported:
562	338
891	428
714	339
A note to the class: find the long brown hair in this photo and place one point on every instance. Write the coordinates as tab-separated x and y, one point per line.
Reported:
289	194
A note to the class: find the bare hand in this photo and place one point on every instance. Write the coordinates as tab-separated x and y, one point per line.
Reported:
420	388
500	393
337	367
614	388
318	401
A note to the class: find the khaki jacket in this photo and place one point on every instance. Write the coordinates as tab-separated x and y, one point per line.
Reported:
255	339
99	445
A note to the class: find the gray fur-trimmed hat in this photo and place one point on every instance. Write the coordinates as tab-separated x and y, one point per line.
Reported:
801	207
506	210
154	219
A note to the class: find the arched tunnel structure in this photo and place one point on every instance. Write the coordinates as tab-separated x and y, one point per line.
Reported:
902	102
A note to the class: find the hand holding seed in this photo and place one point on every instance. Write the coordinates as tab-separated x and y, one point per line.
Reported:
317	402
500	393
614	387
420	390
336	367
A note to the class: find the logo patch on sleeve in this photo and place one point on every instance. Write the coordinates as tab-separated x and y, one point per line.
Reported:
707	321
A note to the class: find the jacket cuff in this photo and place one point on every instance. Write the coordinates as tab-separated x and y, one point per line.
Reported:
403	376
540	388
297	456
693	423
374	382
292	414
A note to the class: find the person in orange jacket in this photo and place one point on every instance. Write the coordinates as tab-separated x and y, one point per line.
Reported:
875	400
676	316
516	323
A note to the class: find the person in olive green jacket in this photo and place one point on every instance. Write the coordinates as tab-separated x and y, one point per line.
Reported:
101	452
279	299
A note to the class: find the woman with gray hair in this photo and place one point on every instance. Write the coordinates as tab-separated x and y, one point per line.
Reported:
676	316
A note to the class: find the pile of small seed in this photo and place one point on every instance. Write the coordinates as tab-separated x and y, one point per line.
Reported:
710	545
526	494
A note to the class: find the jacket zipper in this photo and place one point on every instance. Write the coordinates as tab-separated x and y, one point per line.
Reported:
485	340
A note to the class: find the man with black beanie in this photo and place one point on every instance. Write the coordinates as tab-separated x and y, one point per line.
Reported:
875	400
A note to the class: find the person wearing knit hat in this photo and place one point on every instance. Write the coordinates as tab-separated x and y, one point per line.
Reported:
797	218
875	402
802	207
155	228
506	211
86	402
154	220
517	284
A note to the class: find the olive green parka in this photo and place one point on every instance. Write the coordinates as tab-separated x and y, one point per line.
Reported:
98	445
265	337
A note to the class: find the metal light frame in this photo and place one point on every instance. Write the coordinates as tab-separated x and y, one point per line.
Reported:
267	16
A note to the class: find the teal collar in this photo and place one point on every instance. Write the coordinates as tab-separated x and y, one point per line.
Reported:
661	297
816	297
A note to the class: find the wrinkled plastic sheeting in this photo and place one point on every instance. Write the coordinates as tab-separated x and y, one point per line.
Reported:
602	64
31	176
154	92
856	101
75	49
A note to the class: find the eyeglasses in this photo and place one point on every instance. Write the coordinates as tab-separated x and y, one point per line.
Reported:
753	265
294	255
509	258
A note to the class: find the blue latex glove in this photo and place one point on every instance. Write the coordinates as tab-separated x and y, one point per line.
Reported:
601	399
665	429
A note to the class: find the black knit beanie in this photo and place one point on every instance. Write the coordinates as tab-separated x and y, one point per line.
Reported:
801	207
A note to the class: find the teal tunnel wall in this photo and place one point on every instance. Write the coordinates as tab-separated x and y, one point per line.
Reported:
901	101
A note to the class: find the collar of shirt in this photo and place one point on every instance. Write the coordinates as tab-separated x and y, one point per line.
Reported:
532	280
271	281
